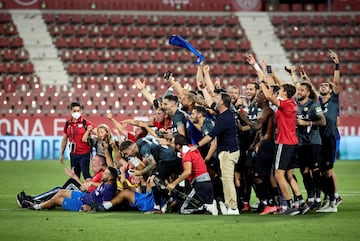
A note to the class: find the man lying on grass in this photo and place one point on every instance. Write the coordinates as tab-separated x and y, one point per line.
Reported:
72	200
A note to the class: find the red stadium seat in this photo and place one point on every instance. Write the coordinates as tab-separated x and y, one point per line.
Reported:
277	20
289	44
81	30
139	43
304	19
112	69
124	69
48	18
315	43
85	69
102	19
115	19
192	20
128	20
98	69
92	56
73	69
132	56
180	20
27	68
237	57
219	21
296	7
93	31
79	56
100	43
138	69
159	56
126	43
206	21
87	43
75	19
118	56
245	45
142	20
231	45
172	57
105	56
121	31
62	18
292	20
302	44
309	7
73	43
14	68
160	32
151	69
153	44
145	56
107	31
283	7
146	31
318	19
88	19
113	43
8	55
230	70
133	31
16	42
233	21
217	70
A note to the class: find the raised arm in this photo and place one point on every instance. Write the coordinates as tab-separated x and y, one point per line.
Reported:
121	128
209	84
336	80
177	86
142	87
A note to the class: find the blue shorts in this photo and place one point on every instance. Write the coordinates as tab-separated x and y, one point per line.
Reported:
75	202
144	201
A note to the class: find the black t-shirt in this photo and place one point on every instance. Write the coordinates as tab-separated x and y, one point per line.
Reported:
225	130
178	120
310	111
330	110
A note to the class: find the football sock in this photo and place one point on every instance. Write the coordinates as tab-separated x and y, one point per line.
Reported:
107	205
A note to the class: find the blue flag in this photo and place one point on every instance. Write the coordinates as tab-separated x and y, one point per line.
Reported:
182	43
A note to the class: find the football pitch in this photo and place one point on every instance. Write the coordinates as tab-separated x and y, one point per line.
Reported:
51	225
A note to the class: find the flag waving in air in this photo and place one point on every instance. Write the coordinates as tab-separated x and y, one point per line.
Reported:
182	43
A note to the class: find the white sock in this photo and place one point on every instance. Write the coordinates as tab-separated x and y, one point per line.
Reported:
107	205
36	206
336	195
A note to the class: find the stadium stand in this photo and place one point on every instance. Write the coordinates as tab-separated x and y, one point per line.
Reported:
104	51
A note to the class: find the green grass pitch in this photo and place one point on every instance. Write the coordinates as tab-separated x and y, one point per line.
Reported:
51	225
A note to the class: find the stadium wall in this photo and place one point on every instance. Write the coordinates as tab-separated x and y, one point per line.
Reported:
39	138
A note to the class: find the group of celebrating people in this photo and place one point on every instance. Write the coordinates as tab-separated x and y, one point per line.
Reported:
205	150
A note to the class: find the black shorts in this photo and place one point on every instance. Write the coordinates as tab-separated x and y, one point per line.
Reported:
285	156
204	191
264	160
309	156
327	153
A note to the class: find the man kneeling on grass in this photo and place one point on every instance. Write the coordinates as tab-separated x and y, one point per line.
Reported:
72	200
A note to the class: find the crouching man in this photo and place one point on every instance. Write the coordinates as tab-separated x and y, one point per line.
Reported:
195	171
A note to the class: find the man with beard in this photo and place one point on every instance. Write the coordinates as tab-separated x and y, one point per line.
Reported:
225	130
309	118
329	100
243	173
170	105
